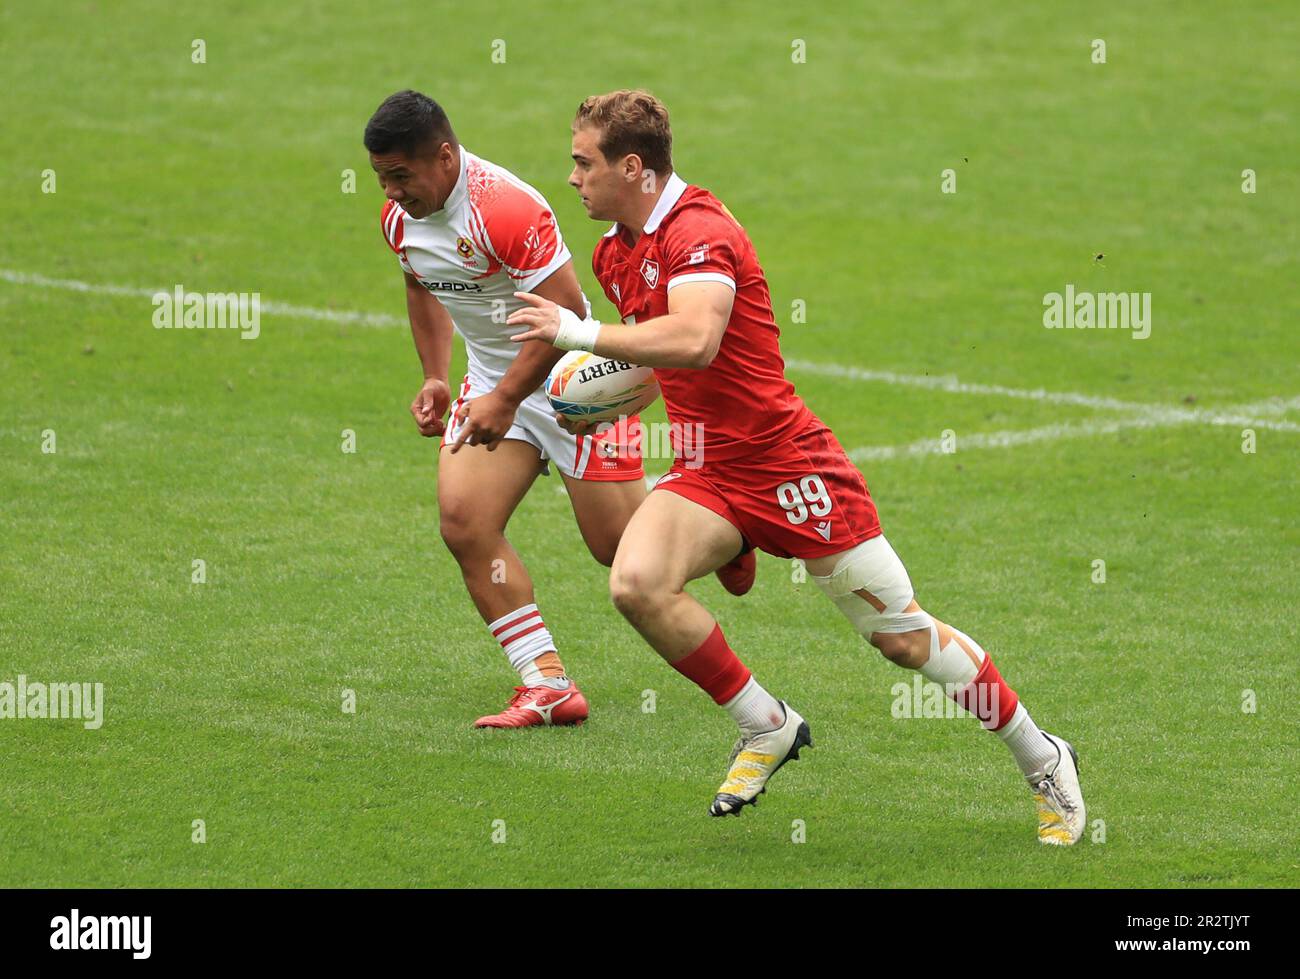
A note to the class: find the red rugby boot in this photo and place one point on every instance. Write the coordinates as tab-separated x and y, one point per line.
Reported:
531	706
738	576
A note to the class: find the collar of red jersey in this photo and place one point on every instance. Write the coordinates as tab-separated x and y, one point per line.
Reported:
673	190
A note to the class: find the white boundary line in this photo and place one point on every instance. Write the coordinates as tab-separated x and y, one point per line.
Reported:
1237	416
1140	415
950	385
1173	415
1050	433
274	308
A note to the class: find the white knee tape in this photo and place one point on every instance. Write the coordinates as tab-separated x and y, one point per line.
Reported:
873	567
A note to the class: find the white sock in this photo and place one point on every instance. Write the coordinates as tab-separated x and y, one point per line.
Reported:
524	637
755	710
1033	752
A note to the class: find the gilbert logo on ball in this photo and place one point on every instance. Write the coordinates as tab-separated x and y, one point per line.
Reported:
587	387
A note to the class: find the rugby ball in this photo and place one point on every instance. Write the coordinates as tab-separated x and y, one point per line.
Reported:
587	387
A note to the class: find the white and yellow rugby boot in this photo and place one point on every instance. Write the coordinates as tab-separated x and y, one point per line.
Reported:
756	759
1061	813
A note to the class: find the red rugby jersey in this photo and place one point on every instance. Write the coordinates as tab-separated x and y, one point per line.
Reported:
742	399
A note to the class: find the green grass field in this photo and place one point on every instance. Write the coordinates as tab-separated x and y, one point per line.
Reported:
325	571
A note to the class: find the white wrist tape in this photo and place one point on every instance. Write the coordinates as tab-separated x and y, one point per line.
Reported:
576	334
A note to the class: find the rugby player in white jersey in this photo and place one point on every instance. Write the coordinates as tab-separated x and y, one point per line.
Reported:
468	234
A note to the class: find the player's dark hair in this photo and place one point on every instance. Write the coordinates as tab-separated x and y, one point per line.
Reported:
408	122
630	121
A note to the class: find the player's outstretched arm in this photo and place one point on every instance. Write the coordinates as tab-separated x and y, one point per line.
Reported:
431	328
689	336
486	419
526	374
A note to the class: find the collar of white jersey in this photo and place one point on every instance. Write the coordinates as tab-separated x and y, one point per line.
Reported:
673	190
458	192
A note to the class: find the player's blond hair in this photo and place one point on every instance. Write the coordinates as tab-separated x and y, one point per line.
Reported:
630	121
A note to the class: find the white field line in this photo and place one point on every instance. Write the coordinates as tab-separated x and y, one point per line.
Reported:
1238	416
1141	415
1070	430
274	308
950	385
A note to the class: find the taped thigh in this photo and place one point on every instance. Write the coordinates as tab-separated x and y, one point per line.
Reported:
870	586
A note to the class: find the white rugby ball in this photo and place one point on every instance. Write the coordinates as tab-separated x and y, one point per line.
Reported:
587	387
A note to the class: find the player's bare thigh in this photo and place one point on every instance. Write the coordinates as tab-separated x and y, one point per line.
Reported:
478	490
669	541
603	509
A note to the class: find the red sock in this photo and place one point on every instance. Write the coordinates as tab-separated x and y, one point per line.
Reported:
714	668
988	697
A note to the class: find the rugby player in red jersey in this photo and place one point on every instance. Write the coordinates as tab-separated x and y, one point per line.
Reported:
695	306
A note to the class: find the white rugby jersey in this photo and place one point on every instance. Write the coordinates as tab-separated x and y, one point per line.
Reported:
494	236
